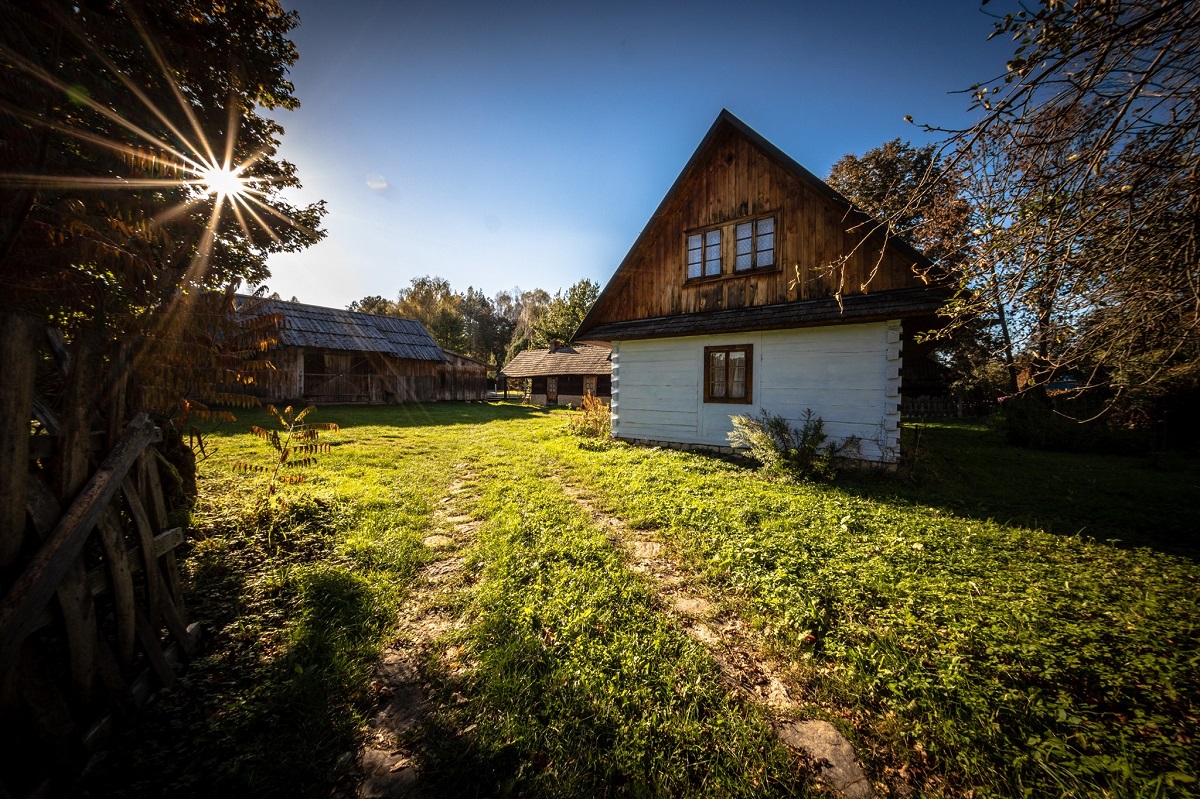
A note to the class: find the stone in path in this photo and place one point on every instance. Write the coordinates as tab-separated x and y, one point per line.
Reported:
833	755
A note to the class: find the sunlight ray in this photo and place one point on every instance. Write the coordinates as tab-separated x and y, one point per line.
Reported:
175	90
107	113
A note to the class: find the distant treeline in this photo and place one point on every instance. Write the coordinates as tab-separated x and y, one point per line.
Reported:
492	329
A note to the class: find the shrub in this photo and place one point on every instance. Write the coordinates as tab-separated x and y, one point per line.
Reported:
1056	424
804	453
594	419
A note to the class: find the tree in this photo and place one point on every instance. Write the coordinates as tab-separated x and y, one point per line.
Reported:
1083	163
524	309
138	168
884	182
564	313
430	301
887	183
140	165
373	304
488	332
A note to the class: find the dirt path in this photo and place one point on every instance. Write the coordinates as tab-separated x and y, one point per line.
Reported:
732	644
388	759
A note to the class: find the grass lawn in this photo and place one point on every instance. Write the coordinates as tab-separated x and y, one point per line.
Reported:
949	619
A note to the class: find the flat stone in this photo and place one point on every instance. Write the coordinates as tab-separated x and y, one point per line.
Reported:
438	541
692	606
777	694
701	633
837	766
386	774
645	549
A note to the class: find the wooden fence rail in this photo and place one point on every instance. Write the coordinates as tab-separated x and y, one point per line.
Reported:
92	619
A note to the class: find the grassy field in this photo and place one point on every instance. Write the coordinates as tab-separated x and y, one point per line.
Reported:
950	618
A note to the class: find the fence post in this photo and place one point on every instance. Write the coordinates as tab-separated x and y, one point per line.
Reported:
18	366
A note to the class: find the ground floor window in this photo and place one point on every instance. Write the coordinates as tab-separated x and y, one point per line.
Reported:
727	373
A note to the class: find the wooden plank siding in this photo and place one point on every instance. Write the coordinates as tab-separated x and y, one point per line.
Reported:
325	377
733	178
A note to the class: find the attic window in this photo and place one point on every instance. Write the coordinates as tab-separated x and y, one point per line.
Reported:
754	244
704	254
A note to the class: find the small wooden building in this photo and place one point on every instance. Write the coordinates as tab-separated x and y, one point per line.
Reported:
726	305
563	375
330	355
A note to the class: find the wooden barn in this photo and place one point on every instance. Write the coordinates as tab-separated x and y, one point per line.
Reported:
725	305
329	355
563	375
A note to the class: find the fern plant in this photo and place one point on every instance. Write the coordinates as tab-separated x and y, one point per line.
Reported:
295	445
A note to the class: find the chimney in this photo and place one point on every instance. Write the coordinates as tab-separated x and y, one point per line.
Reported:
554	345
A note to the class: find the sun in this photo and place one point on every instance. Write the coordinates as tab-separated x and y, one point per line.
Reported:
223	181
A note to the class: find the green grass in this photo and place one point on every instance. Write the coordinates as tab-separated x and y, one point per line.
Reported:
949	618
970	653
580	686
295	605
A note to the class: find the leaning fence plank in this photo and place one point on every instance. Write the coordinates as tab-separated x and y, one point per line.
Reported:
121	579
18	364
154	653
97	579
158	513
26	599
154	590
73	593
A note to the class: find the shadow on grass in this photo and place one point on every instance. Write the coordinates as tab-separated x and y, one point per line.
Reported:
409	414
968	469
272	705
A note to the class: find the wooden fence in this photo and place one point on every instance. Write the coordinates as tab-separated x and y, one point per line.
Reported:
92	619
930	407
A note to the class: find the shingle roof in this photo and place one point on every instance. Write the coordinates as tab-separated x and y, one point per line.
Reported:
579	359
349	331
879	306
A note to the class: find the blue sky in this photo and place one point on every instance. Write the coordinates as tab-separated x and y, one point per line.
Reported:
527	144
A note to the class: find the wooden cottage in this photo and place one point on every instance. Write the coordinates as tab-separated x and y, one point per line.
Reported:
329	355
563	375
724	305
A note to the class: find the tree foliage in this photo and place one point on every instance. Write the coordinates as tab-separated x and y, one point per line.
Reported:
374	304
1082	166
888	183
884	182
490	329
120	119
430	301
564	313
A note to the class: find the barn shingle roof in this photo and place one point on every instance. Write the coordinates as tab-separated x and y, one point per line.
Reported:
579	359
349	331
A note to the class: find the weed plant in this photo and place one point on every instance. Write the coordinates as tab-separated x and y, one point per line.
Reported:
594	419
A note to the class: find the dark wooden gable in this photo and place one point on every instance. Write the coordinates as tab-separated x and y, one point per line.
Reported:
736	175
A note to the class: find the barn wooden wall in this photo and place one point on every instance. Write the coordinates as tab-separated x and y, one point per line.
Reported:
731	181
372	378
425	381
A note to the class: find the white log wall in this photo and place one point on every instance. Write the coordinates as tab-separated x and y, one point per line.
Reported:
849	375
